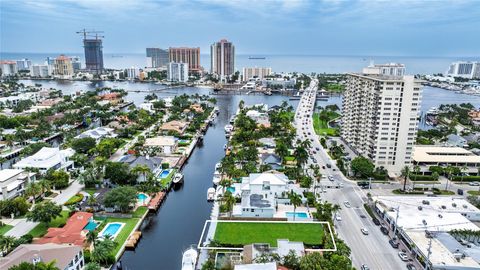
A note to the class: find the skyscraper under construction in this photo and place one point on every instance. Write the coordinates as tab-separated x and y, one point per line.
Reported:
92	44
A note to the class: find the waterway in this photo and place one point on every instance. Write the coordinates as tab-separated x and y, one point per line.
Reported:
179	221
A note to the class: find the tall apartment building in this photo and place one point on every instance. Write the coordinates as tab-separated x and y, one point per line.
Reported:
191	56
40	71
469	70
380	115
255	72
223	58
76	64
157	58
24	64
132	73
177	72
62	67
8	68
93	55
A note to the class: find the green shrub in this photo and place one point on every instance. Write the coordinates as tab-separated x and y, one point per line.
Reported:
420	177
467	178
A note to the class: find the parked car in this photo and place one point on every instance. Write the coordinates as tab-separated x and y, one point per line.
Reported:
328	165
403	256
364	267
347	204
393	243
384	230
318	149
364	231
475	184
338	217
410	266
376	221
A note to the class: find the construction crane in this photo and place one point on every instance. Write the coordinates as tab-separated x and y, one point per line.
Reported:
90	33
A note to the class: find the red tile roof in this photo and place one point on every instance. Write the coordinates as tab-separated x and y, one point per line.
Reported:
71	233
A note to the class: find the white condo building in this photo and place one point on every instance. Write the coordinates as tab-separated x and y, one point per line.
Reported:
8	68
380	115
255	72
468	70
177	72
40	71
132	73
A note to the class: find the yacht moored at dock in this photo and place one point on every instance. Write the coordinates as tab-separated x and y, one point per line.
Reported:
189	259
211	194
177	178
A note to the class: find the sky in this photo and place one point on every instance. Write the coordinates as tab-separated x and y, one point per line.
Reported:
294	27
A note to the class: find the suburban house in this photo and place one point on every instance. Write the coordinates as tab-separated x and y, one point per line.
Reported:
475	117
98	133
268	142
153	163
273	160
163	144
48	158
260	118
13	182
259	192
73	233
456	140
111	98
252	251
66	257
175	125
197	108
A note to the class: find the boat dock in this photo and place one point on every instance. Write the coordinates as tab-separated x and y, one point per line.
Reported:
156	201
133	240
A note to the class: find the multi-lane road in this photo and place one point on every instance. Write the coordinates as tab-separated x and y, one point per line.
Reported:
373	249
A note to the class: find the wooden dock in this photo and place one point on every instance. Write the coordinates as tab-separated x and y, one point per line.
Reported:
133	239
156	201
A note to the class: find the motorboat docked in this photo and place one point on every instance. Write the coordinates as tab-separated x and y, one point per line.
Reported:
211	194
268	93
177	178
189	259
433	111
232	119
219	165
228	128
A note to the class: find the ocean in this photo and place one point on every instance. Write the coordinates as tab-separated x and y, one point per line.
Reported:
278	63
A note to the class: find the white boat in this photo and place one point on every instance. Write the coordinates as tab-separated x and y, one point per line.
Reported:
218	165
189	259
211	194
177	178
433	111
228	128
216	180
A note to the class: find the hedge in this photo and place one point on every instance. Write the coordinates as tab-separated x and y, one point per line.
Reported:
467	178
420	177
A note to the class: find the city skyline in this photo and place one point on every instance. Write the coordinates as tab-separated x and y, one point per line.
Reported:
410	28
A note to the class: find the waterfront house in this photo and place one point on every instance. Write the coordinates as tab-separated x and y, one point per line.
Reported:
260	118
175	126
284	246
456	140
13	182
273	160
98	133
47	158
197	108
66	257
259	192
268	142
153	163
73	233
165	145
111	98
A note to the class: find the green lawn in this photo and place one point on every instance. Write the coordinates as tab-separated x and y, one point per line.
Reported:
165	182
473	192
335	87
244	233
125	232
74	199
140	211
5	228
41	229
321	126
90	191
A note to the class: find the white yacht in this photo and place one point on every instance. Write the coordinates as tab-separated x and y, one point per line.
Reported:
177	178
228	128
218	165
211	194
216	179
189	259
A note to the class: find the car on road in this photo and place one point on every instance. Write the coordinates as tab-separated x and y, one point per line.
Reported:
376	221
347	204
323	167
410	266
403	256
318	149
364	231
314	160
474	184
314	151
338	217
328	165
384	230
393	243
364	267
330	178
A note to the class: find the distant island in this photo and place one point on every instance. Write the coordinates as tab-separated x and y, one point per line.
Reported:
254	57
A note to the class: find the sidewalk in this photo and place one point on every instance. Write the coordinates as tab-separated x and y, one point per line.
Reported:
21	226
67	193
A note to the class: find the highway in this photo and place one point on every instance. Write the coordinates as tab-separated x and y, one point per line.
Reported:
373	249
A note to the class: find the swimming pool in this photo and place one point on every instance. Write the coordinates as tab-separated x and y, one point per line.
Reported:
296	214
112	229
231	189
164	174
142	197
91	225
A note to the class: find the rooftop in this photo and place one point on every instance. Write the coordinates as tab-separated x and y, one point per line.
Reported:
6	174
160	141
444	154
61	254
47	157
71	233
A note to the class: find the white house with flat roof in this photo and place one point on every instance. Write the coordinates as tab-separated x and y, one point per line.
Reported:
421	219
13	182
259	192
165	144
98	133
427	156
47	158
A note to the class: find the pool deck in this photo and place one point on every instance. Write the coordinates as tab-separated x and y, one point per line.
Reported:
283	209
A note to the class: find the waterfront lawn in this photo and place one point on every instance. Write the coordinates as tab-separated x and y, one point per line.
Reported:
165	182
244	233
321	126
41	229
130	224
140	211
5	228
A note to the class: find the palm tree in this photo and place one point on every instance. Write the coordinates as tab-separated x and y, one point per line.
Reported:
405	173
463	170
44	185
335	209
295	200
225	183
2	160
7	243
92	237
142	170
32	190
